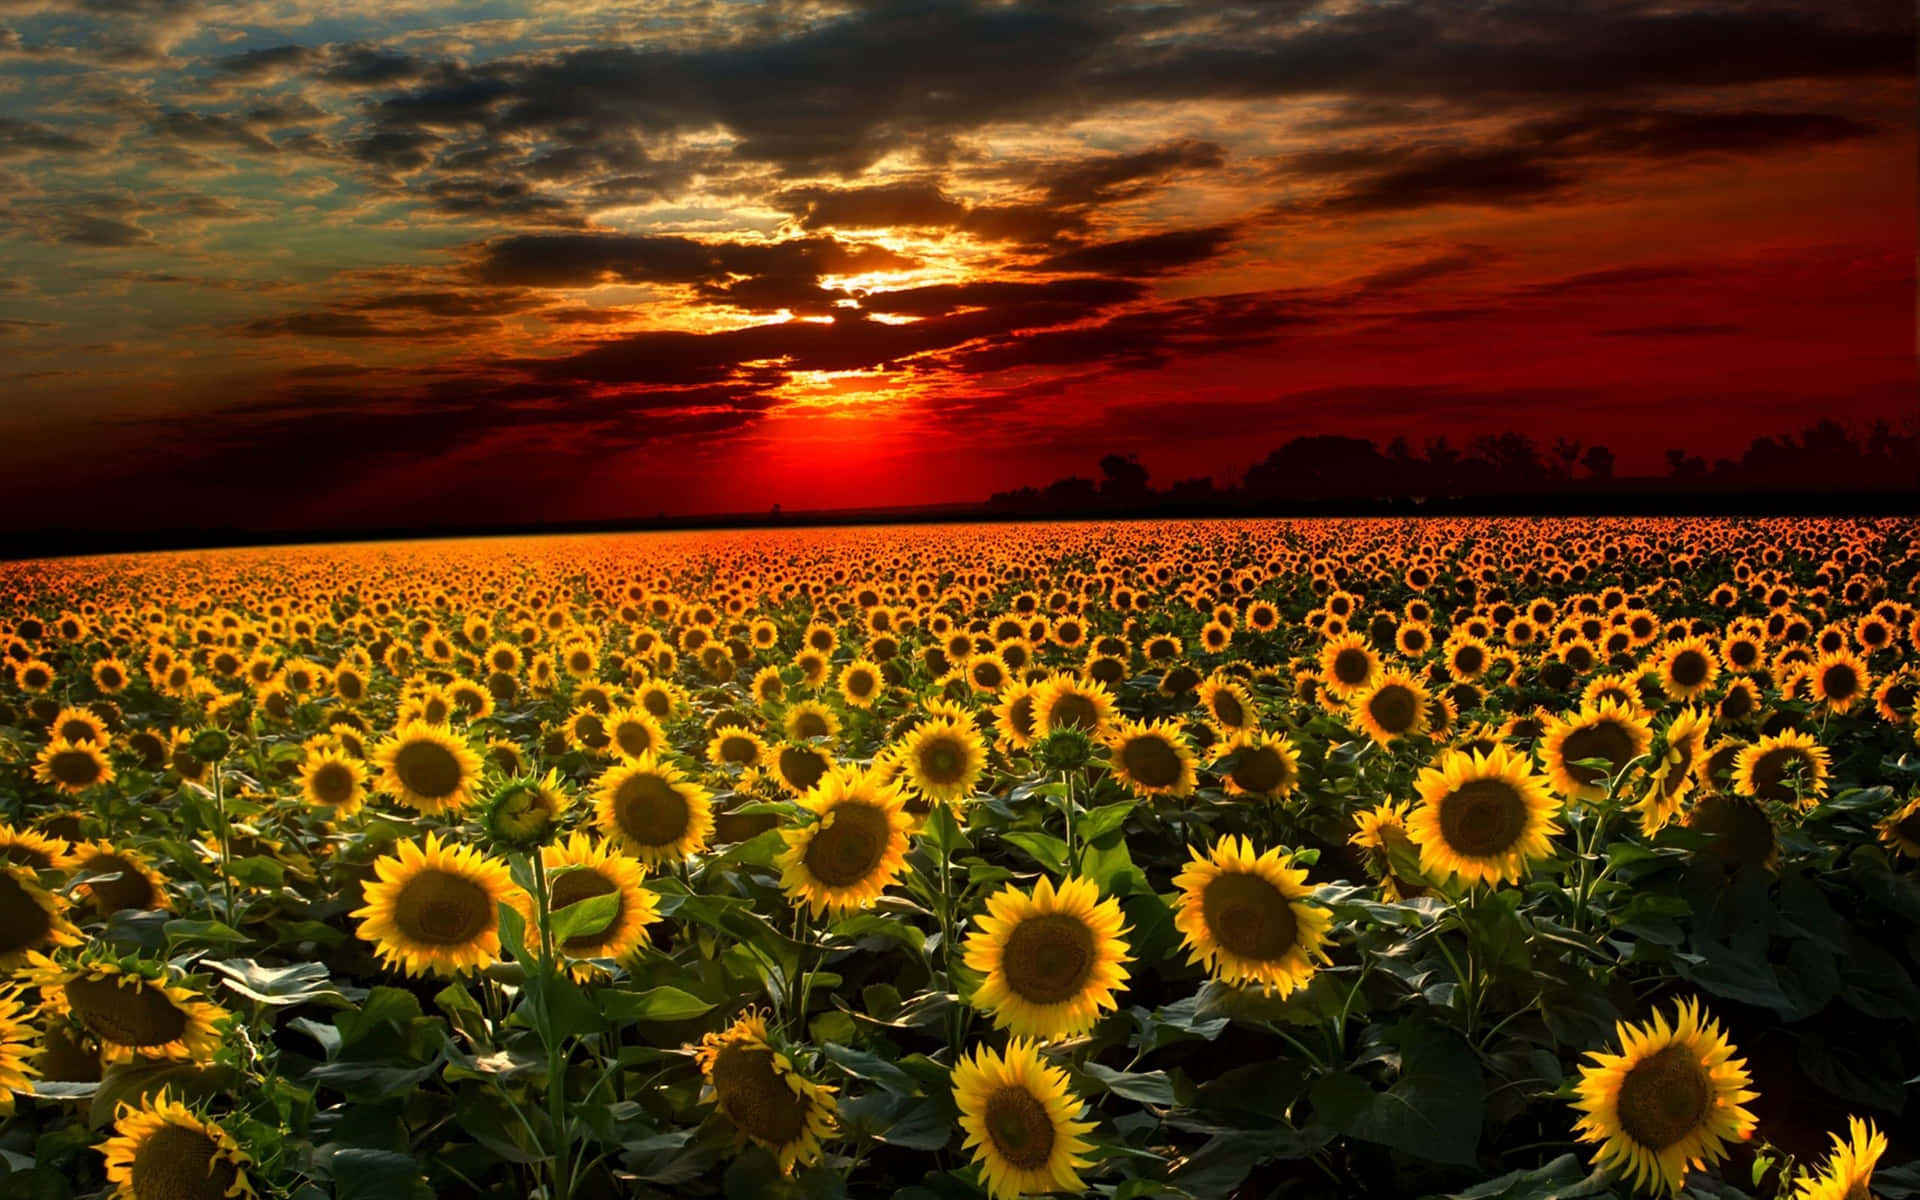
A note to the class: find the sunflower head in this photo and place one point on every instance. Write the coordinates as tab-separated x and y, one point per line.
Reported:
1482	817
1151	758
435	907
755	1086
1608	733
163	1149
1668	1102
428	767
943	759
580	869
1053	958
525	812
135	1008
1019	1115
1848	1174
855	846
1246	916
653	811
1263	764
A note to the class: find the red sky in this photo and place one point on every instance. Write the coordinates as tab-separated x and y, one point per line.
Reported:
414	266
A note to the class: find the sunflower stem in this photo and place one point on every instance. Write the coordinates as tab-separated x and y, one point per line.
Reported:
225	839
560	1169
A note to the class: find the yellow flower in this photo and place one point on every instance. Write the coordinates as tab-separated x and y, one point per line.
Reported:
31	918
1151	758
1608	731
1394	705
16	1047
436	907
857	847
579	870
1849	1171
653	811
134	1012
943	759
330	779
1019	1117
162	1151
1482	817
1246	917
1762	770
72	767
1053	958
1264	764
427	768
756	1088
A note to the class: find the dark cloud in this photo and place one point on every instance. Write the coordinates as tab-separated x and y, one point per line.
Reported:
586	259
370	67
923	206
450	303
1426	177
356	326
1149	254
251	65
202	129
1120	176
1466	257
935	300
1655	133
19	138
90	229
497	199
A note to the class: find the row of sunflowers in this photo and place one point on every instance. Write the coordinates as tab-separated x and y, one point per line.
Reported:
1453	858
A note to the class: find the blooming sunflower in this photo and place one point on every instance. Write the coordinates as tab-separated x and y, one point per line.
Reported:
77	725
580	869
1394	705
1053	958
756	1088
858	845
1482	817
737	746
943	759
1347	664
330	779
798	766
1840	680
860	682
1019	1116
653	811
1669	1102
1687	668
1608	731
1685	741
1849	1170
633	731
1264	764
1065	702
1151	758
1013	715
130	1006
132	883
34	850
1246	917
436	907
72	767
1902	830
1227	705
31	918
16	1047
1763	770
1380	831
428	768
162	1151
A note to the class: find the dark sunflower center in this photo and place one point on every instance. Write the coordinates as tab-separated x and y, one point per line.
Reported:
1020	1127
1228	710
1770	772
75	731
1743	653
1152	760
22	855
23	923
800	767
141	1015
987	674
332	783
860	683
1664	1098
810	724
943	760
591	731
1469	659
1048	958
571	887
67	1056
633	738
1908	827
1742	834
1073	711
1394	708
1350	667
1607	740
658	703
1738	703
738	749
1839	682
850	847
130	889
441	909
1689	668
1259	769
650	811
1020	716
755	1098
1249	917
428	769
177	1163
1483	817
75	768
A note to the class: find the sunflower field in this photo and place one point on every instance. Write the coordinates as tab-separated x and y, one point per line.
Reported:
1489	859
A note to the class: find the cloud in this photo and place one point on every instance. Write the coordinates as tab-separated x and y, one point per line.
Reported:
21	138
560	260
1148	254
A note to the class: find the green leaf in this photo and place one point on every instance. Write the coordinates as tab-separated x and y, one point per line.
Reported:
513	932
212	933
654	1004
1104	820
1434	1108
873	925
944	832
1147	1087
1045	849
584	918
363	1174
872	1068
298	983
1562	1179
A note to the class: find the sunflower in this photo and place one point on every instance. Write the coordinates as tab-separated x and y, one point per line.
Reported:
1482	817
1264	764
332	780
1687	668
72	767
1902	830
436	907
1840	681
1227	705
130	1006
1394	705
1763	769
1246	917
579	869
1347	664
652	811
133	882
427	768
808	719
1467	656
797	767
1065	702
736	746
1019	1117
33	850
1685	741
1849	1171
943	759
16	1047
77	725
1669	1102
585	729
767	686
633	732
756	1088
31	918
162	1151
860	683
855	848
1053	958
1607	731
1380	831
1013	715
1151	758
1741	831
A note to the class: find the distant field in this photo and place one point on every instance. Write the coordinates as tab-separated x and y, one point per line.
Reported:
1491	858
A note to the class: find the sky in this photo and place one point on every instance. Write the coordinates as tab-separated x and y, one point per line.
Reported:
359	263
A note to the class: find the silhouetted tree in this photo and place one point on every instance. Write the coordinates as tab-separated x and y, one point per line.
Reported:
1125	480
1566	452
1599	462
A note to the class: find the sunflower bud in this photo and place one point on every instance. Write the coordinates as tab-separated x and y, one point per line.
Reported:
210	745
524	812
1065	749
